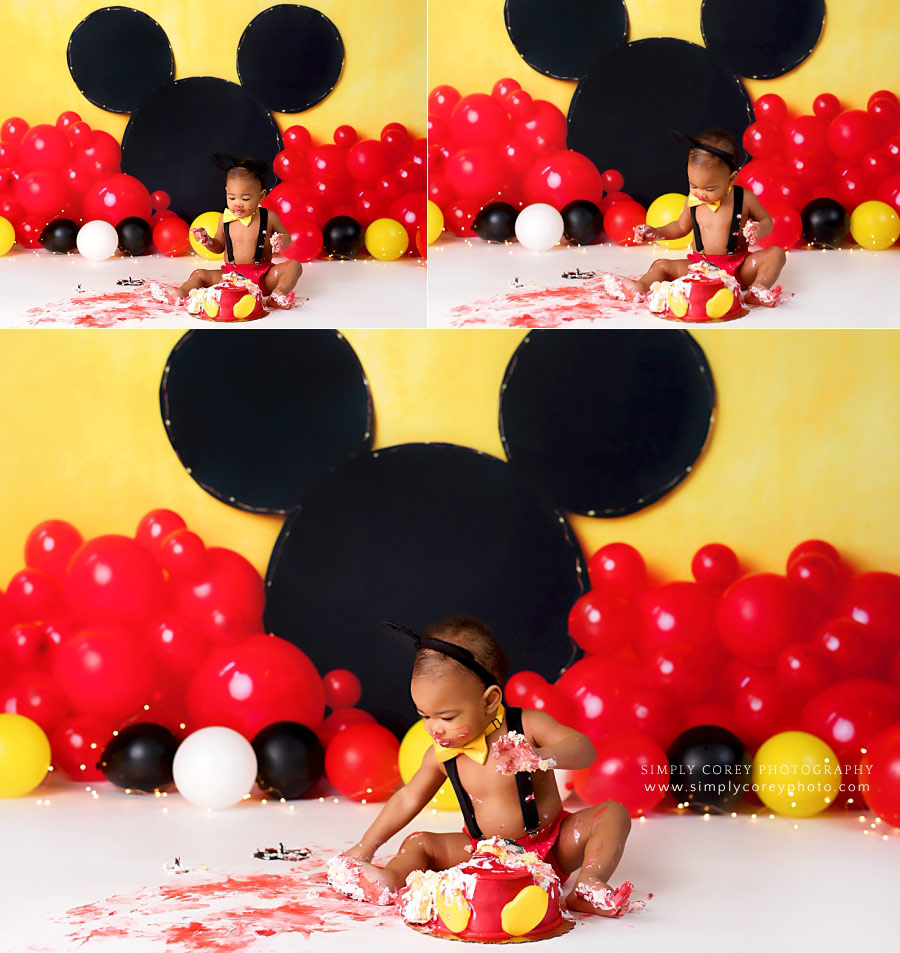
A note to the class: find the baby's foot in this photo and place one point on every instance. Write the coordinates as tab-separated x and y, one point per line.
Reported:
360	880
767	297
284	301
595	896
618	286
165	294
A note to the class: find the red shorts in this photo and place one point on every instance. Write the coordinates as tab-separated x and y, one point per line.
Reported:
255	273
728	263
540	842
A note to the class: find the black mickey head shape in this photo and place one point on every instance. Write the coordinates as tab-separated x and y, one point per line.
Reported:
630	94
289	58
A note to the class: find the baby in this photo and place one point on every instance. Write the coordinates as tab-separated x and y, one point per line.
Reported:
455	685
248	245
714	212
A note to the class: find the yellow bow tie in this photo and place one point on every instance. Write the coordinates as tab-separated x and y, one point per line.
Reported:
712	206
229	216
476	749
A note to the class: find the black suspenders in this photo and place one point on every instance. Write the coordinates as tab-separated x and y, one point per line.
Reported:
260	241
735	232
524	785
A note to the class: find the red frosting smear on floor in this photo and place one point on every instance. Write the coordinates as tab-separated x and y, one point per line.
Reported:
93	309
228	914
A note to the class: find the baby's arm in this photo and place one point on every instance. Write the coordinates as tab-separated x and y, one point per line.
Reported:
677	229
216	243
401	808
759	222
279	236
570	749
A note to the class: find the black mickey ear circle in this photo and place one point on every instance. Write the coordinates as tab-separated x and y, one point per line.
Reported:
562	38
633	134
765	39
258	417
118	56
421	532
606	423
290	57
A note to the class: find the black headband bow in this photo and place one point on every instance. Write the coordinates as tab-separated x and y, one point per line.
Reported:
457	652
684	140
227	162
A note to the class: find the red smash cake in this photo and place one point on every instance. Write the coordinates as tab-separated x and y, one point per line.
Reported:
502	894
705	293
234	298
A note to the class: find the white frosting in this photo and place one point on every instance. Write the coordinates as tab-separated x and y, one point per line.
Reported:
661	291
199	298
618	901
513	752
344	876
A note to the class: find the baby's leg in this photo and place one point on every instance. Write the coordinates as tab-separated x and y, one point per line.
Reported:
423	850
760	271
200	278
663	269
594	840
279	282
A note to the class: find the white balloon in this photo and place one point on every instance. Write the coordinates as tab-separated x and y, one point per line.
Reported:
539	227
214	767
97	240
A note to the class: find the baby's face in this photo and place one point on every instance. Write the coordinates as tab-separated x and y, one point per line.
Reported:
453	707
243	194
710	183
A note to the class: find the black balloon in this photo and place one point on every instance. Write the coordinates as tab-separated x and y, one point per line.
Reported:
290	759
343	237
496	222
135	236
709	769
582	222
58	236
825	222
140	757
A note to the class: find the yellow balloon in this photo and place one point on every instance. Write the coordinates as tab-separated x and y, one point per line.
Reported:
796	774
667	208
7	236
875	225
415	743
24	755
435	222
386	239
209	221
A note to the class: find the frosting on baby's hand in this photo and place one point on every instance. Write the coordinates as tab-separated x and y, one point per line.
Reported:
277	242
751	232
514	753
202	237
643	234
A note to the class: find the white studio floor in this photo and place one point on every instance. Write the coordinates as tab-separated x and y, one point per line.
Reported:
83	870
38	289
475	284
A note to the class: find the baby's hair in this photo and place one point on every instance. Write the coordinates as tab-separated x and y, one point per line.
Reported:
471	634
719	139
245	166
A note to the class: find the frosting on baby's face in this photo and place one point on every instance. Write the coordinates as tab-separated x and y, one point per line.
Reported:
710	183
455	706
243	194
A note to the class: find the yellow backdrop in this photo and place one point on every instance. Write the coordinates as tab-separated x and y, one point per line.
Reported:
470	49
384	59
806	441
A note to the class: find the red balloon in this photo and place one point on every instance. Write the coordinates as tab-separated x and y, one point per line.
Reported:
759	711
517	158
818	577
28	230
225	626
804	134
171	236
41	192
809	167
345	136
710	714
297	137
801	671
36	696
850	648
877	166
892	148
560	178
682	672
881	772
361	762
113	579
11	210
340	719
769	181
342	688
176	643
478	119
818	546
873	599
758	616
104	671
555	703
116	197
613	180
474	172
258	681
520	687
682	613
787	227
826	106
160	200
715	565
519	104
442	100
459	216
33	595
439	190
771	108
544	129
306	241
367	160
851	134
397	140
368	205
289	164
740	674
79	134
601	623
889	192
101	156
503	87
25	647
854	186
388	188
599	688
630	768
9	156
229	582
763	139
182	553
620	220
77	744
44	147
155	526
292	201
76	180
411	176
652	712
327	161
848	714
885	114
13	130
409	211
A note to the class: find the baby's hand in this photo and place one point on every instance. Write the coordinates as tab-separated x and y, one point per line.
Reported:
277	242
513	753
644	234
360	853
202	237
751	232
